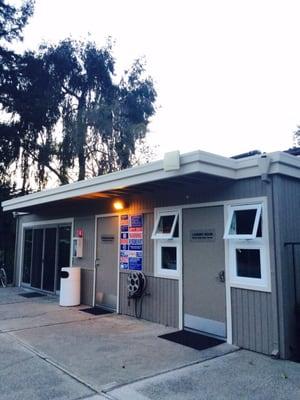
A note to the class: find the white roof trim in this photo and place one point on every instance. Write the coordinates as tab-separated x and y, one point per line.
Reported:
197	161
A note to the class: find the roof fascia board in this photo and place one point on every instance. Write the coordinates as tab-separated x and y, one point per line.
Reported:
197	161
46	196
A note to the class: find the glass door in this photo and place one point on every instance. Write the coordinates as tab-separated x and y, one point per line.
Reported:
45	251
64	251
37	258
49	259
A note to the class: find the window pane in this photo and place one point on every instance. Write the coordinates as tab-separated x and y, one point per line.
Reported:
259	231
27	256
165	224
242	222
64	243
176	230
169	258
49	259
248	263
37	254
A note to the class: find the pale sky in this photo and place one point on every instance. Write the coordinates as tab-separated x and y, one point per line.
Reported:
227	72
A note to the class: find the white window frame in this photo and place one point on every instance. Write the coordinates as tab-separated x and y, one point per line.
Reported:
169	235
232	209
260	243
160	242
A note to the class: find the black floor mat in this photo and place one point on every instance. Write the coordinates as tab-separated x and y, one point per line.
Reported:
96	311
195	340
32	294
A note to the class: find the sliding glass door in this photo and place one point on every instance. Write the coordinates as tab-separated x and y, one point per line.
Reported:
37	258
45	251
64	246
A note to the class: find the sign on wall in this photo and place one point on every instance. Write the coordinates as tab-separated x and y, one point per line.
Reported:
131	242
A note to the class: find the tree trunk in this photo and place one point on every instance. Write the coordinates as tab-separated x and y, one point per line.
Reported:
81	138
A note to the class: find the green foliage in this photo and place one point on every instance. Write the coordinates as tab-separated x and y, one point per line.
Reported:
101	120
69	116
13	19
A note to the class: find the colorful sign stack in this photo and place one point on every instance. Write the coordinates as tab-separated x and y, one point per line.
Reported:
131	242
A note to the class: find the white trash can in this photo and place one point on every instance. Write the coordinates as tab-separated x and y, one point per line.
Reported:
69	286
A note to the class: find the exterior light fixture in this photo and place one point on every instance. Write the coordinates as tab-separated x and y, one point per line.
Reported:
118	205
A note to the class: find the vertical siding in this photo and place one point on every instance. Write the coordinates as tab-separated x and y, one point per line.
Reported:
87	283
286	198
252	320
148	251
88	226
161	305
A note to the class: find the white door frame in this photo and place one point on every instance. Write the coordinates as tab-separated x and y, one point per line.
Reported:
95	257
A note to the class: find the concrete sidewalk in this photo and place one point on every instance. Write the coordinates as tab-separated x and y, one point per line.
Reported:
241	375
50	352
97	353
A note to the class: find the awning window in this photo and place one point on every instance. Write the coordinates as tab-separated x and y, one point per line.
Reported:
244	222
166	225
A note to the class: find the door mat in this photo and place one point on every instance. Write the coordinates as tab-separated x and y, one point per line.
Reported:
32	294
196	341
96	311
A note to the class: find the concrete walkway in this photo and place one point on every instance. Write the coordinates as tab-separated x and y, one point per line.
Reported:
64	353
237	376
50	352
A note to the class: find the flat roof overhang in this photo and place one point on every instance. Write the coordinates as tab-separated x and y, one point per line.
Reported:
198	162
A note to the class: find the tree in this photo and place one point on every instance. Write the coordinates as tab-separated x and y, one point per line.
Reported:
72	119
296	137
102	120
12	21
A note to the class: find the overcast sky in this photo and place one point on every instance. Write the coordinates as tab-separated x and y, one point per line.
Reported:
227	73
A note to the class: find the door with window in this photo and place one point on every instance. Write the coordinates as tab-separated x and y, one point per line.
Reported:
204	303
45	251
107	262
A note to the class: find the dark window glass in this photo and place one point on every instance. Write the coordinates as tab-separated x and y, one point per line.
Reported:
176	230
49	259
259	229
248	263
242	222
64	243
27	256
37	253
169	258
165	224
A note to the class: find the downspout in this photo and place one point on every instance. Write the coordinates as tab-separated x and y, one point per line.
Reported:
275	352
264	164
16	216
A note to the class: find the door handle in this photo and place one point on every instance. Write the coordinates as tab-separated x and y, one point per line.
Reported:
97	262
221	276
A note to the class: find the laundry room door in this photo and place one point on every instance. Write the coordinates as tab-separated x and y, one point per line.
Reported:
204	303
107	262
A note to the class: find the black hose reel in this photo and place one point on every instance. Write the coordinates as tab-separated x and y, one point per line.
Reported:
136	286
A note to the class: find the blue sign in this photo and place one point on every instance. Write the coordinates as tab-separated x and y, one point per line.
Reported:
131	242
136	221
135	263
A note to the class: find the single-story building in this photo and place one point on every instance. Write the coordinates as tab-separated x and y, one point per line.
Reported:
214	236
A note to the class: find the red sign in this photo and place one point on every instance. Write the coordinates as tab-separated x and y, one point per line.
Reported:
79	232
